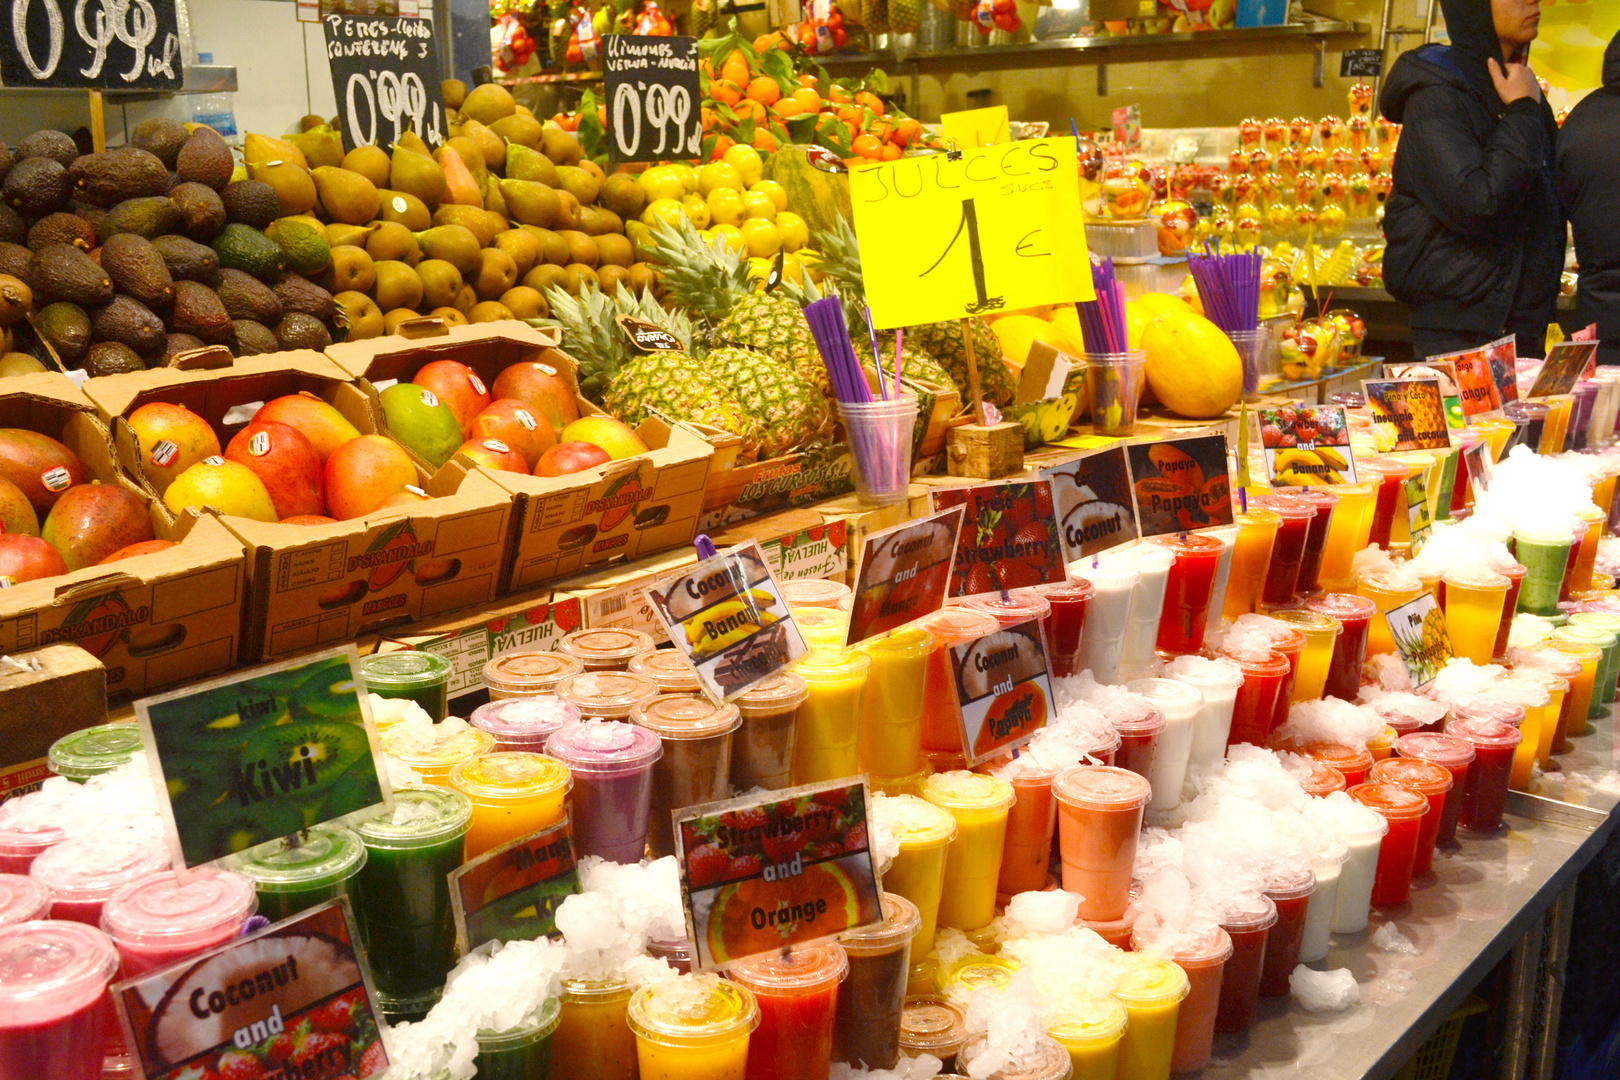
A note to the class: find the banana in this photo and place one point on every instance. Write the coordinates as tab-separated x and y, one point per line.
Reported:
1332	457
729	634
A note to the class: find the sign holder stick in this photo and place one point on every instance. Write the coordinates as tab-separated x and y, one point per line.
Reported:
973	374
98	121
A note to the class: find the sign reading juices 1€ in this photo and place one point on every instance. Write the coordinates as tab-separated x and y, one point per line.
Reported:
1004	690
971	232
904	574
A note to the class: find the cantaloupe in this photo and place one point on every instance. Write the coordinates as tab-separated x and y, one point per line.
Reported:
1192	367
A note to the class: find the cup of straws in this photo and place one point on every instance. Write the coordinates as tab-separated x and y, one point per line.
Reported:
880	427
1114	371
1229	288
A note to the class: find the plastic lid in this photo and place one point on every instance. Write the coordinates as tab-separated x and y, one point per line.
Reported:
1020	605
693	1008
1343	606
458	746
1076	588
1503	712
1483	732
959	625
1257	913
605	646
1147	981
80	755
932	1024
1447	751
687	716
1478	577
1273	663
822	622
22	899
597	747
901	921
1582	651
523	719
320	855
613	694
403	671
1525	408
670	669
1321	780
918	822
1086	1018
803	969
53	969
1395	801
593	990
1149	722
160	910
1320	497
1169	695
1384	467
1043	1060
539	1024
977	971
1258	515
1424	777
1602	620
1189	543
962	790
832	665
529	672
1287	507
1019	767
1390	579
89	870
1206	673
1533	536
1554	661
910	642
814	592
1346	759
774	696
510	774
1102	787
1293	884
1109	578
421	816
1202	947
1310	623
24	834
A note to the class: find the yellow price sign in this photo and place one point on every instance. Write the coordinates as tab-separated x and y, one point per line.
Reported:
974	128
971	232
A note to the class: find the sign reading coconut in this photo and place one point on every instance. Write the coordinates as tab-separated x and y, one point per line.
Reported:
1096	509
762	873
1009	539
905	572
512	893
1004	690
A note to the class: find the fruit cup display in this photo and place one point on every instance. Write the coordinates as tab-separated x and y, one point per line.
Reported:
1127	190
1177	220
1309	348
1352	332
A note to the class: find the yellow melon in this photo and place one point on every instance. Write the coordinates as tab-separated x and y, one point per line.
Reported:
1192	367
1066	331
1018	332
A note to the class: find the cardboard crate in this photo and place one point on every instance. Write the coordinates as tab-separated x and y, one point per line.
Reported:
811	542
152	621
617	596
315	585
44	695
564	524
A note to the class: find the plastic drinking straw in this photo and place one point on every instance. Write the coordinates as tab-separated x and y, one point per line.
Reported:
877	354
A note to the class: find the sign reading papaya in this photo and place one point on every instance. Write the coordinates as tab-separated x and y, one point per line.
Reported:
1009	539
1004	690
762	873
971	231
1182	484
512	893
1096	509
905	572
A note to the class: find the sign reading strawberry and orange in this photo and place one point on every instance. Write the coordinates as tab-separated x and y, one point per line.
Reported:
1004	689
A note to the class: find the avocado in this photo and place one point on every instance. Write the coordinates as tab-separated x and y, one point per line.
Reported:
13	229
246	297
205	159
186	259
197	311
93	215
114	176
251	202
249	338
67	328
56	145
111	358
137	268
149	216
242	247
176	344
160	136
298	293
299	331
14	260
202	214
129	322
62	228
63	272
304	247
36	186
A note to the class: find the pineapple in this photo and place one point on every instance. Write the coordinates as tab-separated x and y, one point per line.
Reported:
905	16
773	324
915	365
595	341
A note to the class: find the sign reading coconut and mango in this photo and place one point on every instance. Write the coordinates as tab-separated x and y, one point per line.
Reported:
1096	509
1182	484
1004	690
905	572
761	873
253	757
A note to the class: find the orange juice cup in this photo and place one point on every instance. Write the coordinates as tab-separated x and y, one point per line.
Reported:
513	795
892	708
1030	824
1387	589
1099	819
1347	534
1251	560
942	714
973	860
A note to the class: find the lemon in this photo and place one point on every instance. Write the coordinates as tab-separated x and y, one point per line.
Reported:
696	209
725	207
757	204
761	237
776	192
686	174
746	160
667	210
759	269
795	233
733	237
661	182
792	269
717	174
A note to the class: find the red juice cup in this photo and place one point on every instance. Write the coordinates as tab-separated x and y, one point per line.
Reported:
1117	932
1310	565
83	874
1390	476
1456	756
1288	551
25	833
1291	893
612	766
1031	823
942	715
1486	787
797	993
1404	809
1431	781
1353	613
1240	983
1018	606
1203	956
22	899
1066	622
1510	605
1188	588
1099	819
523	724
1138	742
157	921
1288	643
54	1008
1350	762
1322	781
1255	707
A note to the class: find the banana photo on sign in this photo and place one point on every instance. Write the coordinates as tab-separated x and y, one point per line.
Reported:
1306	446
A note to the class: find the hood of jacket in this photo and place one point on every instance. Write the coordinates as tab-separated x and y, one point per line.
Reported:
1462	63
1611	65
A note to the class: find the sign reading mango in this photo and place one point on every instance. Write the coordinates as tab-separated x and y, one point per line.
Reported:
971	232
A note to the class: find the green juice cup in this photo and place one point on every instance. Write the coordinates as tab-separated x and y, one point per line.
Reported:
1544	556
402	896
523	1053
301	871
79	755
421	677
1609	624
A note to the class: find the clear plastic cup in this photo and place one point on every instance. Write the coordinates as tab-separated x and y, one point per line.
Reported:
1321	781
1227	535
22	899
797	994
1202	956
1189	587
1288	550
1474	599
979	804
92	751
1321	634
528	673
612	695
826	745
1139	740
1179	704
1387	589
873	998
1064	625
513	794
301	871
422	677
523	723
1248	930
1045	1059
1018	606
924	832
1255	707
159	921
670	669
1404	810
1485	789
892	704
83	874
1350	648
1434	783
696	766
1114	390
1327	861
1344	536
54	1009
816	592
1291	893
1351	762
605	648
1217	680
1251	560
593	1040
1090	1028
1102	639
1545	557
880	441
1031	823
1357	876
520	1052
24	834
1153	563
824	629
1260	355
762	748
1151	991
934	1025
433	763
611	763
693	1026
1100	813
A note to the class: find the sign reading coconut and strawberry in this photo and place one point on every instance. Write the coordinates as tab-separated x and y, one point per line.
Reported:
905	572
1008	540
1004	690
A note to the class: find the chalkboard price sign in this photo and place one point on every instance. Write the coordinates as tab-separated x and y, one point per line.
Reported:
94	44
385	73
651	86
1361	64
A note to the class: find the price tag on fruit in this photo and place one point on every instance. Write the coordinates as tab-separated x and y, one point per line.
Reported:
1182	484
1503	357
1419	629
728	616
1407	414
1446	374
1009	538
386	77
650	86
1564	364
256	756
971	232
762	873
512	892
105	44
294	995
1306	445
973	128
1096	509
904	573
1003	688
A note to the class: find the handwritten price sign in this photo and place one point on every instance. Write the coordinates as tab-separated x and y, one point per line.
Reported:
971	232
385	74
651	85
112	44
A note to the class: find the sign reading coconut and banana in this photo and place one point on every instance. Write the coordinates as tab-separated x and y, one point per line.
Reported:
1004	690
1306	446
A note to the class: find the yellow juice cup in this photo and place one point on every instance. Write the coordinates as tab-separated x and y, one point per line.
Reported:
1387	589
1603	493
1496	430
1251	558
1474	599
1151	991
1557	690
826	745
593	1040
1585	559
918	871
1557	424
1581	689
979	804
1321	633
693	1027
434	762
891	712
1430	464
1524	754
1348	530
513	795
823	629
1090	1029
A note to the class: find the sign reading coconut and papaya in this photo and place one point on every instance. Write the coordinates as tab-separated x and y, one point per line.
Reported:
512	892
762	873
1182	484
1096	508
1008	540
904	574
1003	688
253	757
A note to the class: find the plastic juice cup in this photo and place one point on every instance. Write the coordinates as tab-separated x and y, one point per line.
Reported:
1117	932
909	784
676	951
1486	786
979	804
1114	384
1291	895
1404	809
1560	666
606	648
1251	560
824	629
1100	811
1321	634
932	1024
1545	557
1310	567
433	764
827	743
612	695
1240	984
1090	1028
762	748
1553	433
1585	562
891	707
797	995
157	921
696	766
1288	551
1551	714
611	763
1496	430
1152	563
1064	625
1357	877
402	895
1151	991
1103	637
1608	623
1031	824
1390	476
1255	706
300	871
1461	491
1510	605
528	673
1327	861
54	1009
1019	606
422	677
1434	783
1217	682
523	723
1290	645
1138	741
523	1051
593	1040
816	592
1188	588
1351	762
942	714
1474	599
22	899
880	440
1451	753
1603	679
1202	957
1387	590
1522	717
83	874
1577	705
1180	704
918	871
24	836
513	795
670	669
92	751
872	1000
695	1027
1354	613
1321	781
1046	1059
1227	535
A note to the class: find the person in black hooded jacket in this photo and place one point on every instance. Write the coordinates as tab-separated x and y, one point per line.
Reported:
1589	187
1474	232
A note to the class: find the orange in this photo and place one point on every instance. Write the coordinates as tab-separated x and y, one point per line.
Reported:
749	109
807	97
764	90
891	152
838	95
722	143
906	130
735	70
788	107
871	101
708	119
807	79
868	147
725	91
764	141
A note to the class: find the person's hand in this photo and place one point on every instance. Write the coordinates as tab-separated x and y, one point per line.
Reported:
1518	81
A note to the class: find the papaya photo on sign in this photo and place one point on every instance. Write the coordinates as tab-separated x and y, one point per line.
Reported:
1096	509
1181	484
1004	690
1009	538
904	574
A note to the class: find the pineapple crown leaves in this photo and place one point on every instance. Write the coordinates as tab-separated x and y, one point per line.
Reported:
596	341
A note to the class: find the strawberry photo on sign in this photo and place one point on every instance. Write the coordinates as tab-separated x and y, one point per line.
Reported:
1009	538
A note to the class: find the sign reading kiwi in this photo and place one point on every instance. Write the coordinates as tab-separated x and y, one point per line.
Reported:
650	85
386	75
1181	484
105	44
1004	689
512	892
256	756
763	873
1095	507
1009	539
904	573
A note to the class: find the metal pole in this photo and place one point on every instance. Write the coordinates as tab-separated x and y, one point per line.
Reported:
1518	1029
1554	958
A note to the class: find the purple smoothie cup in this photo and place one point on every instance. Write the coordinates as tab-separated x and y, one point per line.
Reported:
612	765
